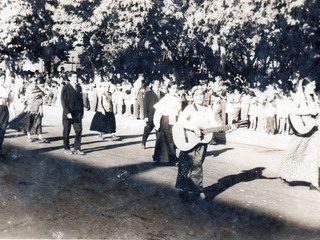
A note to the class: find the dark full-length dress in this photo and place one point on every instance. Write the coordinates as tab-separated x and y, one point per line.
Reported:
167	111
104	120
165	150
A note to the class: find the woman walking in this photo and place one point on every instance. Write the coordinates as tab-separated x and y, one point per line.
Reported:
166	114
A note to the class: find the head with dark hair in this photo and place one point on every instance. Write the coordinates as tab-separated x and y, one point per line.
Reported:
72	77
2	78
172	87
172	83
70	73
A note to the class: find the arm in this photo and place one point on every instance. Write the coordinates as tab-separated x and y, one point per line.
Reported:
64	100
184	121
157	118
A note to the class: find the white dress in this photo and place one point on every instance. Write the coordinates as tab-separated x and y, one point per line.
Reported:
301	161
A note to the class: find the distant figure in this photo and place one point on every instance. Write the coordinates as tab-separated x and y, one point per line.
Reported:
34	110
4	112
139	91
72	104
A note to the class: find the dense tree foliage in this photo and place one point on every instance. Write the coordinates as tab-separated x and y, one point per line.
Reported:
263	40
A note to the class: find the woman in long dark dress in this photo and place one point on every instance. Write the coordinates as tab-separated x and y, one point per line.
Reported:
166	114
104	120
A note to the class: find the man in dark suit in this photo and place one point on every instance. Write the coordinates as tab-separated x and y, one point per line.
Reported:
152	96
72	104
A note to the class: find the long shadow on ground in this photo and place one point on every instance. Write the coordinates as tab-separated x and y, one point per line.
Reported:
62	198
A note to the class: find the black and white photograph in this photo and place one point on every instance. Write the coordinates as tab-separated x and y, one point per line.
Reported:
160	119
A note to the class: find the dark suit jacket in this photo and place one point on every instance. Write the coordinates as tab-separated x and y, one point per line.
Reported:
72	102
150	100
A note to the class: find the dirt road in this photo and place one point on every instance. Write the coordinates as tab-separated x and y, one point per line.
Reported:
115	191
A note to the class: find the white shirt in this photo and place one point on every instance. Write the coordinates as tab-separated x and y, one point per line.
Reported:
170	106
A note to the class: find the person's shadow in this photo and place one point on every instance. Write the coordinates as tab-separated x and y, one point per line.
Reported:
226	182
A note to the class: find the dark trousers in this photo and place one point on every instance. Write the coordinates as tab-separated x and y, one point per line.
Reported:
77	126
147	130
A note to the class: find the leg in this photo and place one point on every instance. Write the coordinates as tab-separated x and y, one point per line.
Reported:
137	109
3	125
66	132
78	131
146	132
190	171
142	110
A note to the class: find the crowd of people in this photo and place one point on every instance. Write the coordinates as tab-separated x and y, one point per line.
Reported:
163	103
266	110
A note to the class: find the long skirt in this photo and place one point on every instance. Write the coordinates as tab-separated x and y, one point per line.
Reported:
301	161
190	171
165	150
103	123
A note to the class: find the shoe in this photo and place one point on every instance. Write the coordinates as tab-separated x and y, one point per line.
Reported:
114	138
78	152
44	141
143	145
101	138
187	196
68	152
155	159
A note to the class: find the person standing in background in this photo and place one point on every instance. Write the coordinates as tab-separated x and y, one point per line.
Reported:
152	96
72	105
104	120
34	110
4	112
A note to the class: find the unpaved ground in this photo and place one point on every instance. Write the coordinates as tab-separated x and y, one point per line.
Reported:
115	192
